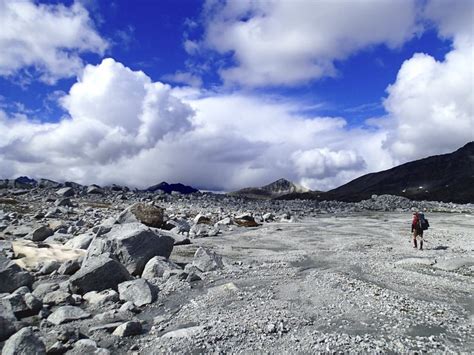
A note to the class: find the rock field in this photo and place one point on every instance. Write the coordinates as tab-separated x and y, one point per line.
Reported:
91	270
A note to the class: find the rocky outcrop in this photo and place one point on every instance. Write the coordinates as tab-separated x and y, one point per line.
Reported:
133	245
24	342
149	215
12	276
98	273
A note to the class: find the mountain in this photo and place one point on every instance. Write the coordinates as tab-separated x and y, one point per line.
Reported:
447	177
275	189
169	188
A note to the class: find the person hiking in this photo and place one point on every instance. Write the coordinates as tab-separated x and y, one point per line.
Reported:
418	225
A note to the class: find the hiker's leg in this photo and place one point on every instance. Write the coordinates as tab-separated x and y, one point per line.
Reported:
414	240
421	244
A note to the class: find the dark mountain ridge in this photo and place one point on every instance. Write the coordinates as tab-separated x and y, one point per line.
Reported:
447	177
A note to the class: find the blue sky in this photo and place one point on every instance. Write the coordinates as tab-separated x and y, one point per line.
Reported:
315	91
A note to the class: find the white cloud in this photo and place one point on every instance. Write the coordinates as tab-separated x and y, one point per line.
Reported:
113	112
122	127
48	38
431	104
184	78
289	42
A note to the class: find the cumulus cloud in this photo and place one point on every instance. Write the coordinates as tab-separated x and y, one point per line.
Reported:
113	112
48	38
121	127
289	42
431	104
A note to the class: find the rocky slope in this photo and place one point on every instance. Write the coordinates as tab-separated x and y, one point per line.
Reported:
275	189
447	177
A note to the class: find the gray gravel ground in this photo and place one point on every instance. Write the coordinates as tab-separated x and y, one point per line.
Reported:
334	283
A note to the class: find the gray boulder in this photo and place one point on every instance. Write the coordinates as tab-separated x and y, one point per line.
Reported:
138	291
128	329
97	274
69	267
12	276
58	297
94	190
82	241
23	305
149	215
102	297
24	342
67	314
207	260
7	320
87	346
156	267
43	289
40	234
65	192
133	245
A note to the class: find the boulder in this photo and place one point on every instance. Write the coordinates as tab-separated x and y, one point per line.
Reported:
65	192
101	297
24	342
82	241
207	260
128	329
245	220
40	234
94	190
49	266
7	320
58	297
149	215
43	289
12	276
138	291
67	314
23	305
69	267
97	274
156	266
133	245
87	346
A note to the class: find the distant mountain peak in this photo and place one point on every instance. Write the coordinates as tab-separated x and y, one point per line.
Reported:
277	188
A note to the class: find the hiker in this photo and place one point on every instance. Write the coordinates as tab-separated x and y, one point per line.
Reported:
418	225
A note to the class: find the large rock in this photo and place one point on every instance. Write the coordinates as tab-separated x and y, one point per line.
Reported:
138	291
67	314
82	241
23	305
7	320
65	192
245	220
94	189
40	234
12	276
207	260
128	329
149	215
133	245
24	342
101	297
156	267
97	274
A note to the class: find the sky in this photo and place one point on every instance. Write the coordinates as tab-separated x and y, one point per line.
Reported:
225	94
